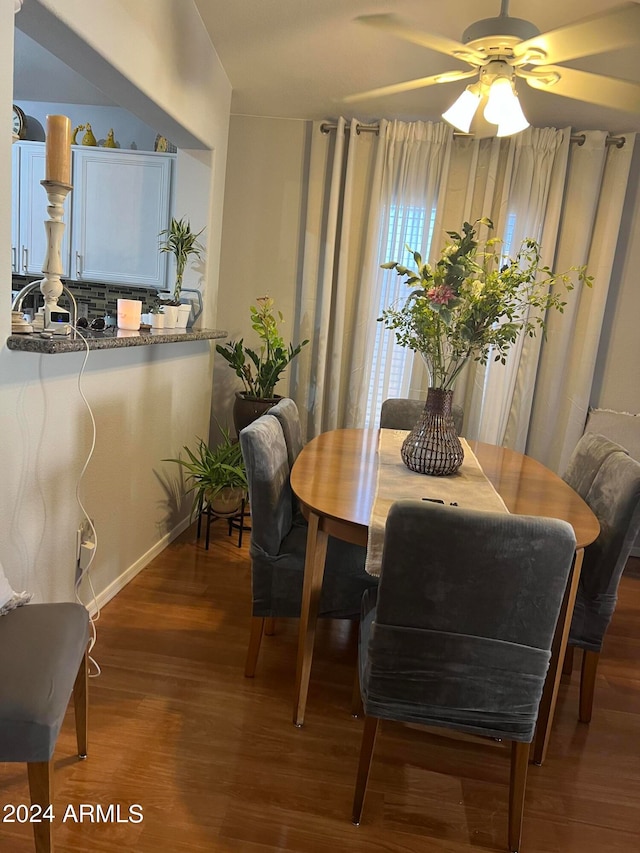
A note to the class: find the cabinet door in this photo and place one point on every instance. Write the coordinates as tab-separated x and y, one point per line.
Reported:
33	212
121	204
15	208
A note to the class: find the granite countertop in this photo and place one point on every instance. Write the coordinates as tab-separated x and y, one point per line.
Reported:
110	338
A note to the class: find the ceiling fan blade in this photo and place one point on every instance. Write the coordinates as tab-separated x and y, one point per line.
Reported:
409	85
395	26
611	30
583	86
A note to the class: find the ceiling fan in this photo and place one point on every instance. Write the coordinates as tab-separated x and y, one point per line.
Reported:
503	48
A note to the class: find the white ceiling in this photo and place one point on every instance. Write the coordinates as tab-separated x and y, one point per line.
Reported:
298	58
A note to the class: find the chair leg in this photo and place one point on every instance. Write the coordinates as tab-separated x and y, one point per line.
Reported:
81	704
270	626
567	666
257	626
364	766
517	785
356	697
587	684
41	791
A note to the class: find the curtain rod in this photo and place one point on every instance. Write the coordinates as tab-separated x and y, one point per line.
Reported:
579	138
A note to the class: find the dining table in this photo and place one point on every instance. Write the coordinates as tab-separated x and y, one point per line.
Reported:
335	478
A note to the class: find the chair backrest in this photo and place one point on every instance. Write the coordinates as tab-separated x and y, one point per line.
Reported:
467	607
614	497
402	413
265	457
585	462
287	414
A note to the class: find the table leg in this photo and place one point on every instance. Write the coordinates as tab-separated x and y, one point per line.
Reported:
558	648
313	574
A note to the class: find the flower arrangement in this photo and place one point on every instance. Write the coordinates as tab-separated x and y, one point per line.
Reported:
260	370
474	302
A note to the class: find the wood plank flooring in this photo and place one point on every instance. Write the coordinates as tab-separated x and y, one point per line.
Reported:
216	764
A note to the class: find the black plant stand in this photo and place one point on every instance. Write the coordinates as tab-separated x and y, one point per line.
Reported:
236	521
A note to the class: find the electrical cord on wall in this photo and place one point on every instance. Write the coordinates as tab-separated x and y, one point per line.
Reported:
84	570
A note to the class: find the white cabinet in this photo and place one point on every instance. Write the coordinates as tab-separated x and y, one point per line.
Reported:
15	208
120	205
29	211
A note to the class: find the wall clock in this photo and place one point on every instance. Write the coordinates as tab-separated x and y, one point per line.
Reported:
19	122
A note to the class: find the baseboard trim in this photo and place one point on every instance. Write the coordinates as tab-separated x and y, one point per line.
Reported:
129	574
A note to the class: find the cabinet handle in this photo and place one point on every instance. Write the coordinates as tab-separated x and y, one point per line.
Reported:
78	265
25	259
14	259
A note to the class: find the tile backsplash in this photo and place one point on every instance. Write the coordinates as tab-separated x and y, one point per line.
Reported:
94	299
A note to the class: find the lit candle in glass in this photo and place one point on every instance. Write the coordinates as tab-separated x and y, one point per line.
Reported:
58	150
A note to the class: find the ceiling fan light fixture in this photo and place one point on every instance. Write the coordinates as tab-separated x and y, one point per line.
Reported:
460	114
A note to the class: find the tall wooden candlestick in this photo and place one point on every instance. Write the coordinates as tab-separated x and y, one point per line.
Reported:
57	184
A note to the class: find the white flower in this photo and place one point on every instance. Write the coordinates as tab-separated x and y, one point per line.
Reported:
477	288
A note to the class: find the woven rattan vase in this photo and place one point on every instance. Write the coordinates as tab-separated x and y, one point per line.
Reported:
433	446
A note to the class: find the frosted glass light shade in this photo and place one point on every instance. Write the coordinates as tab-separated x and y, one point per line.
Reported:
461	113
515	122
500	101
503	108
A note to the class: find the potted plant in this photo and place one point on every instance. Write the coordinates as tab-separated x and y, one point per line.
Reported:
216	476
259	369
157	316
182	243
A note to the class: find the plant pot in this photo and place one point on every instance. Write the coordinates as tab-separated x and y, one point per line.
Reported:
170	316
184	313
157	321
248	409
227	501
433	446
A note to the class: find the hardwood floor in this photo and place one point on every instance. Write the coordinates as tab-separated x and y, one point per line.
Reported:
216	764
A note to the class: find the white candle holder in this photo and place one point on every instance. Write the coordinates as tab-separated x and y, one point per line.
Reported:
51	285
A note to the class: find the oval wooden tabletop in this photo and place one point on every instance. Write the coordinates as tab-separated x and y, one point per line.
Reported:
335	477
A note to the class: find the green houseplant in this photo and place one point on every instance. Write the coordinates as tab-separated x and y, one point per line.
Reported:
182	243
259	369
216	476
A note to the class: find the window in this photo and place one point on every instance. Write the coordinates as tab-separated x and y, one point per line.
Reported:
406	226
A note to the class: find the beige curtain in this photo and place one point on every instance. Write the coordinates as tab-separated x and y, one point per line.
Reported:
354	180
592	209
518	183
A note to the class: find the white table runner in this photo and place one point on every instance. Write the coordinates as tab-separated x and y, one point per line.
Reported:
469	487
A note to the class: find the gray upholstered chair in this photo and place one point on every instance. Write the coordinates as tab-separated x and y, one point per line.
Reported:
278	544
614	497
43	659
460	635
402	413
586	459
287	414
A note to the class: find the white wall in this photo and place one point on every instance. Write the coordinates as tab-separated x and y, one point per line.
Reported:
262	236
147	401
